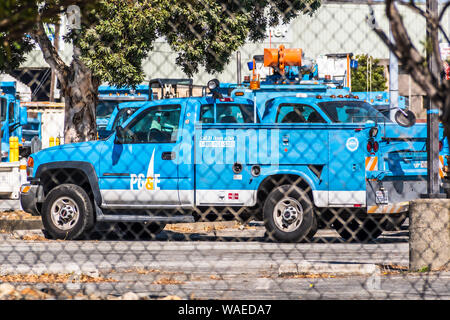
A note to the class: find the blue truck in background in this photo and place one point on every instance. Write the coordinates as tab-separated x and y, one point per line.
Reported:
109	98
159	88
298	163
12	117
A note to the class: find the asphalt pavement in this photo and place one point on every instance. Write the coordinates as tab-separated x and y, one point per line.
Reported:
220	261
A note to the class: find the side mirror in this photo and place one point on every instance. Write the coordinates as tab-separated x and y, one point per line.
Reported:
120	133
405	118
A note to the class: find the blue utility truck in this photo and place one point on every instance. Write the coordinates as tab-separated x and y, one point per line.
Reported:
300	163
12	117
109	98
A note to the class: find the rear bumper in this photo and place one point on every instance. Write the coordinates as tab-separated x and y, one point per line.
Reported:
389	208
30	196
392	196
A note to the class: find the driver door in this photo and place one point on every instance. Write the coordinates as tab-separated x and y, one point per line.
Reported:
140	170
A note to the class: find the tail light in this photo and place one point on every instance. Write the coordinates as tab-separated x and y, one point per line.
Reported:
372	146
375	146
441	146
30	166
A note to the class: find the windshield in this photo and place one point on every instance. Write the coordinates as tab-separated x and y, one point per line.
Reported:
352	112
105	108
122	116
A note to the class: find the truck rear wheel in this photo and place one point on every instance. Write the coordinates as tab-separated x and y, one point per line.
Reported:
67	212
394	222
362	229
289	215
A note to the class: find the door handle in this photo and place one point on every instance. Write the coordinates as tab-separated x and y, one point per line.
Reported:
168	155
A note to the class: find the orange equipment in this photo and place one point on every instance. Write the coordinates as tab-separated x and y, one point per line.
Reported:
254	83
282	57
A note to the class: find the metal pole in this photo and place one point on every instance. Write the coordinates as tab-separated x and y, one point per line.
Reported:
53	76
432	122
393	81
238	63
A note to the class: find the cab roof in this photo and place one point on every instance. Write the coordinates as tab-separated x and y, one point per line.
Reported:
268	110
201	100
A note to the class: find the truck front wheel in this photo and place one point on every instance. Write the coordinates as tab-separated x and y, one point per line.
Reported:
67	212
289	215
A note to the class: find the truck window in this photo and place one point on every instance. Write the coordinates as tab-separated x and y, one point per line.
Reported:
122	116
227	113
3	109
158	124
298	113
352	112
11	112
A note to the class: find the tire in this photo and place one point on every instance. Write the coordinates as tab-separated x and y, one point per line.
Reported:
67	212
138	230
355	229
289	215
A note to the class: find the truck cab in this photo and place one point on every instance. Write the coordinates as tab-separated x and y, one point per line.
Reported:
147	163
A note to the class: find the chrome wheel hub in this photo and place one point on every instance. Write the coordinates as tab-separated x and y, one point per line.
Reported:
288	214
64	213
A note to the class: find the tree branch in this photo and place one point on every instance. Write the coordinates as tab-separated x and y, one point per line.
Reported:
433	27
441	15
49	52
408	55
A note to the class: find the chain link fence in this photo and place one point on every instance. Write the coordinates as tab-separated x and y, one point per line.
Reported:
301	194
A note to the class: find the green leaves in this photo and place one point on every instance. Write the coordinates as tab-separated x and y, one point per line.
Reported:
206	33
361	79
12	51
117	35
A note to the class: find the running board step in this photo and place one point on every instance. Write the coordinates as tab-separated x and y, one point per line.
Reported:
141	218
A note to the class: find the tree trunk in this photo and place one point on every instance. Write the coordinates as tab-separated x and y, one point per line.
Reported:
80	94
79	87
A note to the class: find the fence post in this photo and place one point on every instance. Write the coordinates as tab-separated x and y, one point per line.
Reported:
433	188
429	240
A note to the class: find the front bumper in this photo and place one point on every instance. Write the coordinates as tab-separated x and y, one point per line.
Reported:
30	196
